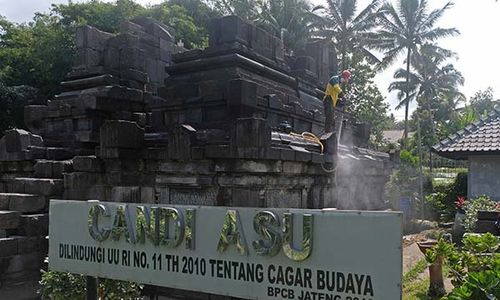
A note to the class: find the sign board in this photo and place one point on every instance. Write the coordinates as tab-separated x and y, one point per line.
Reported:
405	205
251	253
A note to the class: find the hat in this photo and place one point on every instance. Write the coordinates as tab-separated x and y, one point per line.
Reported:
346	74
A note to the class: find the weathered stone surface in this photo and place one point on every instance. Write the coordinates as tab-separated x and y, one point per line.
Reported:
87	164
57	153
34	225
26	203
180	140
9	219
90	37
250	138
38	186
8	246
32	244
21	263
33	117
4	201
17	140
131	194
121	134
52	169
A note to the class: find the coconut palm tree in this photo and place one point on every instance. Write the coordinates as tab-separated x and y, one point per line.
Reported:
292	20
348	30
403	28
432	80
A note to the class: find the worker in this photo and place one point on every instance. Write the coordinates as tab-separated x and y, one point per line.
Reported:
332	93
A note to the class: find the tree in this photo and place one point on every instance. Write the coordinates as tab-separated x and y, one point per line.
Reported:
348	30
37	54
177	17
365	100
106	16
291	20
403	29
245	9
482	102
431	79
12	102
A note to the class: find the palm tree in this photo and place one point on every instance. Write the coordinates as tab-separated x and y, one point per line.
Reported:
291	20
431	81
245	9
403	28
348	30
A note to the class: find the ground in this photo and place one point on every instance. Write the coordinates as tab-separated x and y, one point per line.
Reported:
415	272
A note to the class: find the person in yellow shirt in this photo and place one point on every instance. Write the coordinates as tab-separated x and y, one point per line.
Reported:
332	92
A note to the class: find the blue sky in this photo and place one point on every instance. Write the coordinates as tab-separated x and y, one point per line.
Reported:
477	46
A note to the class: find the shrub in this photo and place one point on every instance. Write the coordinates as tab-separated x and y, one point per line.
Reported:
442	201
475	269
61	286
471	208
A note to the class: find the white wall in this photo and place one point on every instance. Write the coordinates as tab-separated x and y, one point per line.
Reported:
484	176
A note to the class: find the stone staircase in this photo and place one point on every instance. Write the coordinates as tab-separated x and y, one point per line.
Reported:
26	186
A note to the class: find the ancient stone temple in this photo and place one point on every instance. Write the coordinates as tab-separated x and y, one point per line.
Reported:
143	120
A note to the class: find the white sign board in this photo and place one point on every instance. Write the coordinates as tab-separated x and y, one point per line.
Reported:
252	253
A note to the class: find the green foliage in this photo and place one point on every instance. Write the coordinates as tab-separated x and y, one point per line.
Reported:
471	208
12	102
366	101
106	16
475	269
407	157
40	53
349	28
413	273
293	20
482	102
404	178
37	54
405	27
442	200
245	9
61	286
177	17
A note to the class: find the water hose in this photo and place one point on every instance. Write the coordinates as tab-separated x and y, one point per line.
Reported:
310	137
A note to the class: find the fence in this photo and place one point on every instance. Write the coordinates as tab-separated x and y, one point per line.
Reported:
441	168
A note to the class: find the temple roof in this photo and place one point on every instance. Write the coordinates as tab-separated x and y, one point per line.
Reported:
479	138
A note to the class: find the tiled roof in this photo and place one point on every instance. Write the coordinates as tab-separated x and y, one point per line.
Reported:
481	137
394	136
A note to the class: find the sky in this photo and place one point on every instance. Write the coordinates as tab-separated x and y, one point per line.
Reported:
478	46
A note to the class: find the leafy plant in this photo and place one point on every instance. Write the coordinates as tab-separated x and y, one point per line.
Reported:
472	207
61	286
475	269
444	199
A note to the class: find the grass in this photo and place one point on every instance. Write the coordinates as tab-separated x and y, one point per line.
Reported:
414	289
413	273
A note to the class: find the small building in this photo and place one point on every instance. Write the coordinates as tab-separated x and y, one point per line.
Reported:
394	136
479	144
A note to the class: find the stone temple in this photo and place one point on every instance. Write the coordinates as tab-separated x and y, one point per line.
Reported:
141	119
